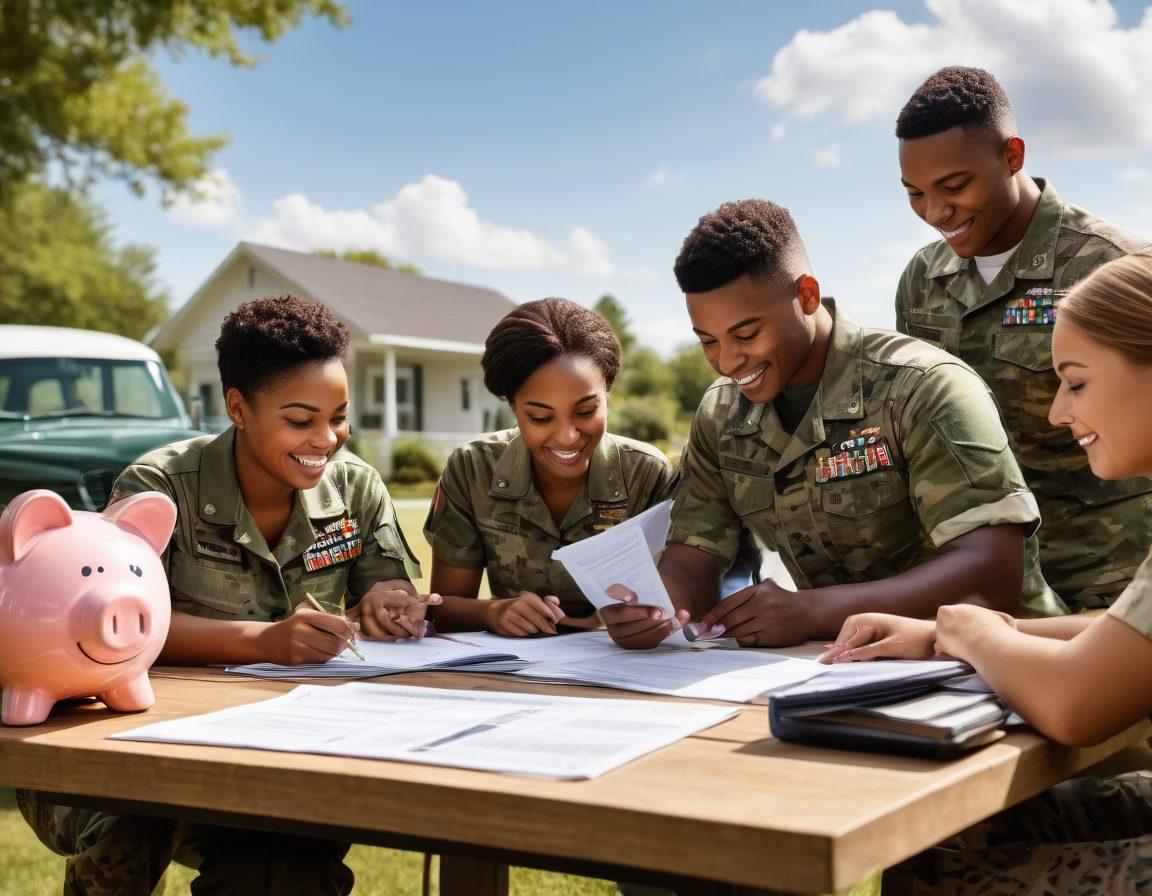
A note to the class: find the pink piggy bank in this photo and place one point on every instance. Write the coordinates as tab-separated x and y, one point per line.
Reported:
84	606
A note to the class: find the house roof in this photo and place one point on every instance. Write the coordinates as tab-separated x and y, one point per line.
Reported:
381	303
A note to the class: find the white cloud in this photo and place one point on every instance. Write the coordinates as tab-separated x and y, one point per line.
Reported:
1136	175
213	201
657	177
1078	82
829	156
431	219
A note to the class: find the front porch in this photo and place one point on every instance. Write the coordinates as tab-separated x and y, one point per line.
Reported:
426	390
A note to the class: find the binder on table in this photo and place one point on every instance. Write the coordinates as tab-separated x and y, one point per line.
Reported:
915	715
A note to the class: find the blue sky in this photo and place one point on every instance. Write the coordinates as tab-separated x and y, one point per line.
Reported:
548	149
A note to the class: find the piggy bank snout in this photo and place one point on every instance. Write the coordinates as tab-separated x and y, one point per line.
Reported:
113	629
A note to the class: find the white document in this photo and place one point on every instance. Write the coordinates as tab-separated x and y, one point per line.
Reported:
625	554
391	658
717	674
569	738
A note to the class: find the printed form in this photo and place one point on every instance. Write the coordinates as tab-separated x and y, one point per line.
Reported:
566	738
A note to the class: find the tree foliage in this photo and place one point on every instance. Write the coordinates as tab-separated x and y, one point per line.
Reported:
367	256
691	375
617	317
76	90
60	266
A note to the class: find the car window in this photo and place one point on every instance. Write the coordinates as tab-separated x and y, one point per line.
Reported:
47	387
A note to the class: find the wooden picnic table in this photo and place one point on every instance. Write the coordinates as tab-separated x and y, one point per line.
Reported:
730	804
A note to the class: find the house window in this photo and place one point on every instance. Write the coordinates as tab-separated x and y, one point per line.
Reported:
466	394
251	278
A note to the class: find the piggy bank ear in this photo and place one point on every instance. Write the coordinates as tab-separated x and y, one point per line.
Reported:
26	517
151	515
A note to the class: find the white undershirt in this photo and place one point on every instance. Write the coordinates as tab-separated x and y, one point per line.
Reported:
990	265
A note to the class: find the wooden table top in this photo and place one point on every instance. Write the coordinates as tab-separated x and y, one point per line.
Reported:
728	804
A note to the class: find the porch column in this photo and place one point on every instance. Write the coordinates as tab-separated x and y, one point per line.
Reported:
390	416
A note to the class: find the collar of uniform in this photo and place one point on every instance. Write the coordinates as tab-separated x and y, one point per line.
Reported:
513	474
1036	257
1039	241
219	492
841	393
747	417
606	472
323	500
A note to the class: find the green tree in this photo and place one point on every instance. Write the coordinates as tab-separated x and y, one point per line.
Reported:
60	266
78	100
367	256
643	373
77	91
614	312
691	375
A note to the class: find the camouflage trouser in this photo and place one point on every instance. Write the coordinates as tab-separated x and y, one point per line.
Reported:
1084	836
126	855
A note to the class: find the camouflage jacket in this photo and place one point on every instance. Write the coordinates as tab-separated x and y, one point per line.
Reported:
342	536
487	513
901	451
1090	545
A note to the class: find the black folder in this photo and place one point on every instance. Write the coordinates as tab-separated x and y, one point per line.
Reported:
892	716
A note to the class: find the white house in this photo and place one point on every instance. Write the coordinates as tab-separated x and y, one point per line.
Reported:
414	364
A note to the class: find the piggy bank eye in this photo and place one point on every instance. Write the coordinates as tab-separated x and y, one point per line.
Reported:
136	569
86	571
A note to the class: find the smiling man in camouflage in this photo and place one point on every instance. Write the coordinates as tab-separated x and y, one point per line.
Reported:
875	464
987	292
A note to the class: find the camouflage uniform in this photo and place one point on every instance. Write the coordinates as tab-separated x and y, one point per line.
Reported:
836	507
1095	533
342	534
1087	835
487	513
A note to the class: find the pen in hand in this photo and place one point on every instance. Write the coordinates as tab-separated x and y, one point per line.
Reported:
351	644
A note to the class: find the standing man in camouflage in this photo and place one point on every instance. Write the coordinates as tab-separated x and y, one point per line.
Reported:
874	464
987	292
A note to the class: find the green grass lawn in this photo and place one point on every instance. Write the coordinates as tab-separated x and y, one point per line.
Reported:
30	869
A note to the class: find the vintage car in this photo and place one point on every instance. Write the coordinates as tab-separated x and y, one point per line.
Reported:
76	407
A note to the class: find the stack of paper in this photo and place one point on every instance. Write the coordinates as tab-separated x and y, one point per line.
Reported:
551	737
391	658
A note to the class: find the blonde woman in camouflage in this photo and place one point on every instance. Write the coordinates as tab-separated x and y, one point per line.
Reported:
1076	679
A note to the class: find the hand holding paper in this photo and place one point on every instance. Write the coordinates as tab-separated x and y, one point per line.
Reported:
618	575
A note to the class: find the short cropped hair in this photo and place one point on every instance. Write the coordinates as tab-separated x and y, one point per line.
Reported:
752	236
958	95
265	339
535	333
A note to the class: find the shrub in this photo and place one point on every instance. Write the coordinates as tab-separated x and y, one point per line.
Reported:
409	475
651	418
415	459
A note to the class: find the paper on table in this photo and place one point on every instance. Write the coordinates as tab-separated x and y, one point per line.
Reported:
552	737
390	658
734	675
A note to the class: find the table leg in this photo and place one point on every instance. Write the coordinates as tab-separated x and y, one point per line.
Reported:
462	876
